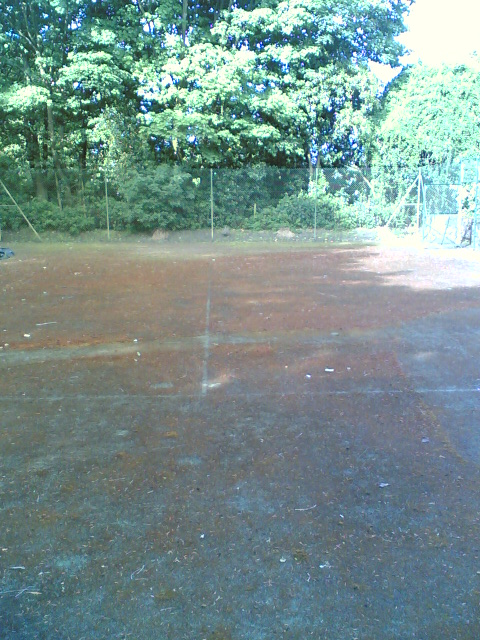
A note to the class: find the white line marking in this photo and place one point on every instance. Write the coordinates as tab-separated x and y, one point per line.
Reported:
249	394
206	350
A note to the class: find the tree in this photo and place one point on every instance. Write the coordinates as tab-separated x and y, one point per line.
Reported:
271	81
119	86
66	68
429	116
34	43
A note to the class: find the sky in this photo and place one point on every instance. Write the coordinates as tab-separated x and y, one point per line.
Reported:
441	31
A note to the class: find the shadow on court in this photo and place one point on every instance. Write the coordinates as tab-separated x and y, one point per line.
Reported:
229	443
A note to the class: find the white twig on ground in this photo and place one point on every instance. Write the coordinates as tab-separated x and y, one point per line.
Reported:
18	592
135	573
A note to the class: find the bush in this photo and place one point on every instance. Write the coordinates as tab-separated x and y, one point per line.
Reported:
11	219
120	214
298	212
42	214
47	216
163	198
74	220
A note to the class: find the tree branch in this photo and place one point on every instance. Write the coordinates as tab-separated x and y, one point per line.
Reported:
31	39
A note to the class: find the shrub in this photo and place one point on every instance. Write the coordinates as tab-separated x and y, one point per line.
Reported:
47	216
120	214
298	211
163	197
11	219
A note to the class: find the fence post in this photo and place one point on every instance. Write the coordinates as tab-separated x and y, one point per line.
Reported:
315	221
106	204
211	200
459	218
419	191
475	212
424	193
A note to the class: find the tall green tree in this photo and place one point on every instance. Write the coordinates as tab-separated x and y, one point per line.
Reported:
89	83
272	81
34	41
430	116
66	72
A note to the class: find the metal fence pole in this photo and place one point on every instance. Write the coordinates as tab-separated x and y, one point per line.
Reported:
424	193
419	191
106	205
460	204
315	221
211	200
475	212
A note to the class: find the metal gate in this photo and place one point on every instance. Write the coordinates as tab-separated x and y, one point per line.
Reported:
441	220
450	198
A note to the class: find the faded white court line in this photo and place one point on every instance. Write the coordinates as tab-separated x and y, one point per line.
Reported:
206	349
248	394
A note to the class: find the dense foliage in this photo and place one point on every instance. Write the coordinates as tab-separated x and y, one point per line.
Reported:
427	120
429	116
147	93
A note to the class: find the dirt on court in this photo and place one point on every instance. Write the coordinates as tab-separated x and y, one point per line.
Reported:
239	440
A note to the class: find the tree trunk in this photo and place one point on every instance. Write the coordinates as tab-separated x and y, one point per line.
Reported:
64	177
41	188
83	153
311	168
184	21
34	162
51	132
82	187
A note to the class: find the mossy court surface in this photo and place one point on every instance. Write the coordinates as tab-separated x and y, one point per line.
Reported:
229	441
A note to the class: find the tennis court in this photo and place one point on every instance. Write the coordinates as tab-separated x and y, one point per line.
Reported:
239	441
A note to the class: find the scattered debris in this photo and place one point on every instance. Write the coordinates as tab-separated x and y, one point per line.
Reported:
327	370
282	559
382	485
160	234
170	434
307	508
425	440
285	233
18	593
5	253
308	376
136	572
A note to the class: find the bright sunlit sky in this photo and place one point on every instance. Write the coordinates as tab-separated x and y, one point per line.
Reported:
442	31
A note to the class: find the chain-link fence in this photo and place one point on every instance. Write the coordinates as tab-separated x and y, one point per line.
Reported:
254	197
450	199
